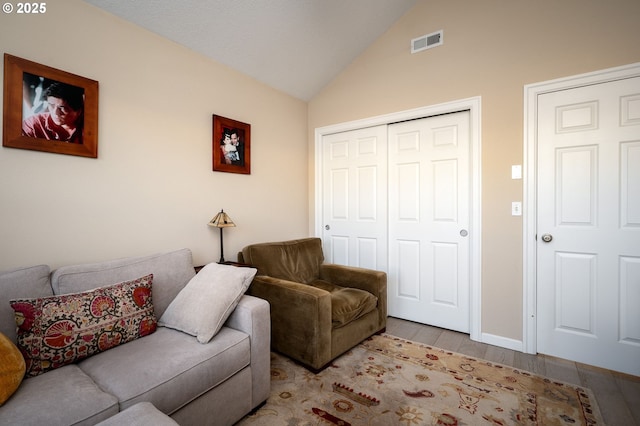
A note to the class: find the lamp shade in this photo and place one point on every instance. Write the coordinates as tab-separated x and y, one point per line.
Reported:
221	220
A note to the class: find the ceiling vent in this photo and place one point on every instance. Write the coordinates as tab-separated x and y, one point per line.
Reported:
427	41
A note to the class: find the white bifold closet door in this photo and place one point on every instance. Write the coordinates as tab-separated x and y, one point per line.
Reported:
396	198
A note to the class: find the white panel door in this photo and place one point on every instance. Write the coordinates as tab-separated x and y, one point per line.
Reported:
588	242
355	198
429	199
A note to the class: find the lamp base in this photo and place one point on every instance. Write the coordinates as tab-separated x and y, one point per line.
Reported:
221	248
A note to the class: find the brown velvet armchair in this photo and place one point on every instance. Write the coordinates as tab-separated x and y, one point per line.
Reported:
318	310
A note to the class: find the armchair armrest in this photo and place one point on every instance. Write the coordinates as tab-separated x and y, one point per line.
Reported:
300	317
375	282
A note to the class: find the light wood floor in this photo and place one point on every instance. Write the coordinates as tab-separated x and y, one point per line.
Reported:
617	395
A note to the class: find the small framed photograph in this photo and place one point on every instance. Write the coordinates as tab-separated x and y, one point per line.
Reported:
46	109
231	145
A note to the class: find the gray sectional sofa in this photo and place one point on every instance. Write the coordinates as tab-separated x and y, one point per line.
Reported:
194	383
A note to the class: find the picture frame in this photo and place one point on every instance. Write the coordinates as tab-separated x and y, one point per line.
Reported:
231	145
47	109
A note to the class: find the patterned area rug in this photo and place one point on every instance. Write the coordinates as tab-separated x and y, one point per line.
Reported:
391	381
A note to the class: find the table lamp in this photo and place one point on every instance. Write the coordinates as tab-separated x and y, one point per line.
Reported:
221	220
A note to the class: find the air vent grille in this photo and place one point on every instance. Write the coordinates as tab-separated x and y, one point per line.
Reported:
427	41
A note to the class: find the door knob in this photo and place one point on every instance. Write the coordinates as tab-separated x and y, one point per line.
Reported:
327	227
547	238
464	232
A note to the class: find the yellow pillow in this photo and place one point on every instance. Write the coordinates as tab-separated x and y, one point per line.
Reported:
12	368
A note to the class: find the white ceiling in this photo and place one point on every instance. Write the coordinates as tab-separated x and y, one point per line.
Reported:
296	46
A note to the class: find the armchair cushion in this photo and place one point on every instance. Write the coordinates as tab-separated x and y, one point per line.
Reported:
347	304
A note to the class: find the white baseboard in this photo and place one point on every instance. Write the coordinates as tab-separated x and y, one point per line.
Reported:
503	342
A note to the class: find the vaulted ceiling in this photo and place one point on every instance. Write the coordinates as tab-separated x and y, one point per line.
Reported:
296	46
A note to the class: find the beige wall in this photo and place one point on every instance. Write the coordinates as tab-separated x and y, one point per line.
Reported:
151	188
492	48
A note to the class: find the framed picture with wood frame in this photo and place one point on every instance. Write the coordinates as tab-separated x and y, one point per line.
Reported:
47	109
231	145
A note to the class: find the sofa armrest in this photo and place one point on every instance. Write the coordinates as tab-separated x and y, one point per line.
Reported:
251	316
375	282
300	318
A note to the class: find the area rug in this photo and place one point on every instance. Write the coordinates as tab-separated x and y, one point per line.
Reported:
391	381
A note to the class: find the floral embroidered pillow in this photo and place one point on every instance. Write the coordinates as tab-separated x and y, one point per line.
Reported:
59	330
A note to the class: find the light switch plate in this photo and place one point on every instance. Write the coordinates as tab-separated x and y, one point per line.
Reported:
516	171
516	208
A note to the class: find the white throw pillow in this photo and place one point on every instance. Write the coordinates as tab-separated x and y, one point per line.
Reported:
205	303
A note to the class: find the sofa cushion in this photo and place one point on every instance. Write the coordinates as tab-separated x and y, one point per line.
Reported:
65	396
21	283
141	414
168	368
295	260
347	304
12	368
206	302
59	330
171	272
